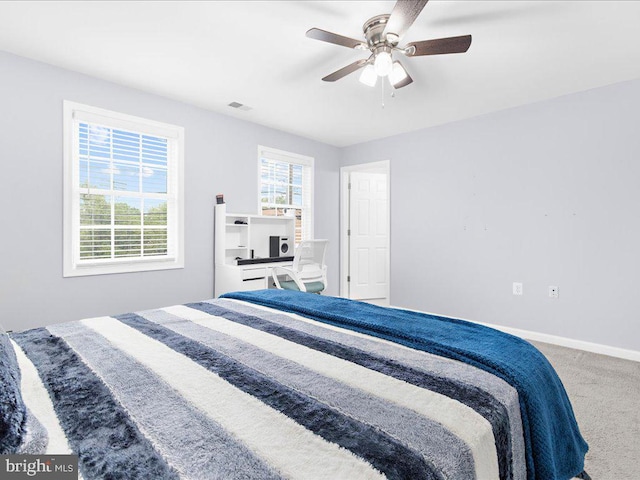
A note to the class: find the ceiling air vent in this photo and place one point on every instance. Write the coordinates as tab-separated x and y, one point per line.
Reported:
240	106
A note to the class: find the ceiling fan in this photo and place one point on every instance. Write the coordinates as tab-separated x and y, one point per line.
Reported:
382	34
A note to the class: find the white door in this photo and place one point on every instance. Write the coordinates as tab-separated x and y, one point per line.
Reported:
368	237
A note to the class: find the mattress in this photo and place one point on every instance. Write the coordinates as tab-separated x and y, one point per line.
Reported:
280	384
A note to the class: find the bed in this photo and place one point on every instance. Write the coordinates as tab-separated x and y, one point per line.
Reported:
282	384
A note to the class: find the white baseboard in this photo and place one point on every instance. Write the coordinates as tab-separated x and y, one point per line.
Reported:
569	342
617	352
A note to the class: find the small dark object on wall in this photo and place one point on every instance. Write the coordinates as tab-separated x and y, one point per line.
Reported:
219	199
240	222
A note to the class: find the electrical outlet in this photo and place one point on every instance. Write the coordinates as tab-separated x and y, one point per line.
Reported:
553	291
517	288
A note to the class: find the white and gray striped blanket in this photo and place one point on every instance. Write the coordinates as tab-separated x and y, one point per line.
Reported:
227	389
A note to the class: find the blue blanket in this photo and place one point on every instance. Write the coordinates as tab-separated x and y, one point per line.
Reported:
555	449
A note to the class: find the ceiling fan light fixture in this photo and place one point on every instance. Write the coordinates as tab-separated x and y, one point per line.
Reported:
383	63
369	76
398	74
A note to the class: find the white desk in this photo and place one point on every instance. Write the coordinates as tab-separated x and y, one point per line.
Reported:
232	278
245	236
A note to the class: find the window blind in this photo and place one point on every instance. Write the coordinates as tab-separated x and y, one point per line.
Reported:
125	192
125	206
286	185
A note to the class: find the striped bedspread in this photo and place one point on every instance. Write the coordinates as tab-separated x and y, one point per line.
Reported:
229	389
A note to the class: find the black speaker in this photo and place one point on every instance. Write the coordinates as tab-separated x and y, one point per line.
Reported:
279	247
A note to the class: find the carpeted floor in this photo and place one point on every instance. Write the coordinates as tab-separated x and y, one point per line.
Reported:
605	394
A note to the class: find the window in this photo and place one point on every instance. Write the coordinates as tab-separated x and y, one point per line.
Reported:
123	208
286	188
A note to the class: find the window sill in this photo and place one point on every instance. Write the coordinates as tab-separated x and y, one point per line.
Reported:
114	268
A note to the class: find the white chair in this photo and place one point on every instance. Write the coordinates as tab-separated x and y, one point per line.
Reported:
309	271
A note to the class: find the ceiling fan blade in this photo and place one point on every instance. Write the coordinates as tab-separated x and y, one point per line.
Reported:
323	35
344	71
403	15
439	46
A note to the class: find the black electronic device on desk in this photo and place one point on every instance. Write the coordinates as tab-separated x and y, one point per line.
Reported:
252	261
279	246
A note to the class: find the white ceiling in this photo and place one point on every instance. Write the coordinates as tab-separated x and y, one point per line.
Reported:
212	53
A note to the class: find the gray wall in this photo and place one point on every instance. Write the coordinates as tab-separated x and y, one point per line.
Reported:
544	194
220	157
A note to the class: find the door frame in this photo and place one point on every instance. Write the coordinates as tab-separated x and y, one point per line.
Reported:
383	166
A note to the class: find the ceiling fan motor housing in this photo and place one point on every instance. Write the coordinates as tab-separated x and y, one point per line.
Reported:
374	29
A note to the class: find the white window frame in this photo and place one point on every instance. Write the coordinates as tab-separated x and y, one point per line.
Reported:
72	265
308	196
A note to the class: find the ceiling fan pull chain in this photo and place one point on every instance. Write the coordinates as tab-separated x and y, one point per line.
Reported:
382	83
